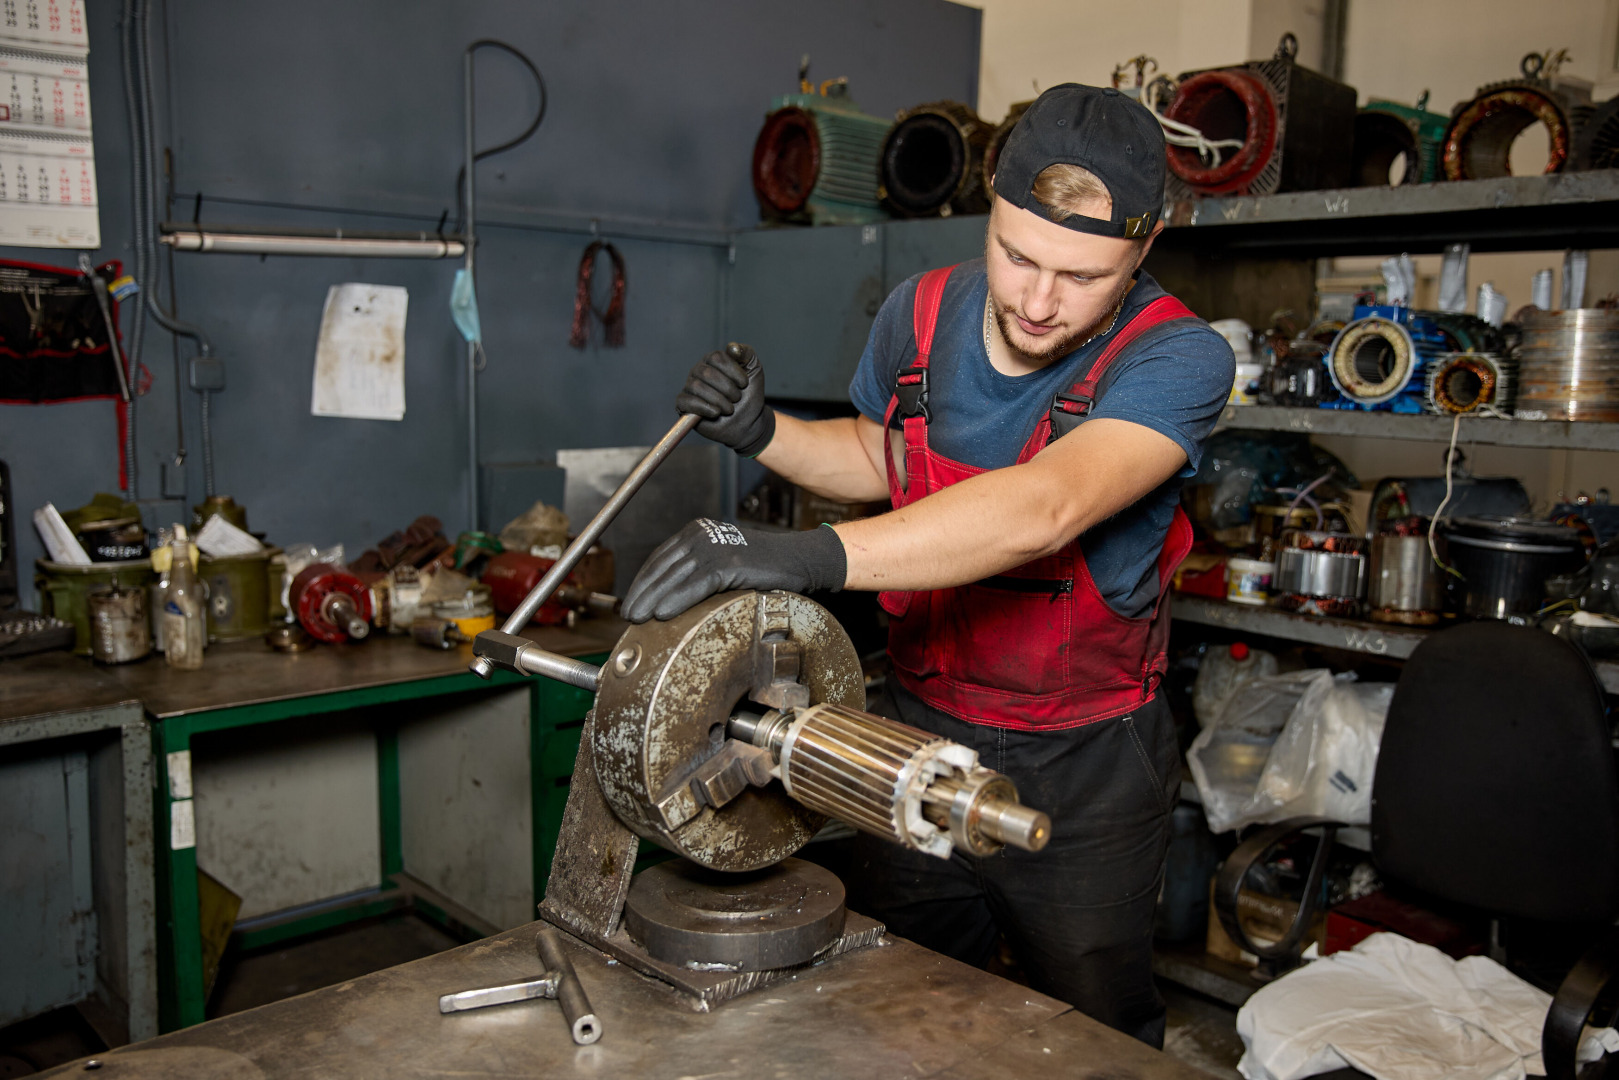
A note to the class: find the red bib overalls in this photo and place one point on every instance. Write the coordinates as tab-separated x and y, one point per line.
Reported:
1036	647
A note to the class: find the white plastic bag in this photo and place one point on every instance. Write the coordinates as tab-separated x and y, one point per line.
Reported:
1322	765
1292	745
1228	757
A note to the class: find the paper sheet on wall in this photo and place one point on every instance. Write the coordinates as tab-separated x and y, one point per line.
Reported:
47	159
360	359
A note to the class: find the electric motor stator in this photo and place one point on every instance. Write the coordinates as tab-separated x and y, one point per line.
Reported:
1296	128
1478	142
815	159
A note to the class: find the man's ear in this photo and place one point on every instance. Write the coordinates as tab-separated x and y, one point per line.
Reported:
1147	246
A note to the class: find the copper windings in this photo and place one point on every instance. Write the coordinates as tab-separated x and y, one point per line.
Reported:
1462	384
1226	104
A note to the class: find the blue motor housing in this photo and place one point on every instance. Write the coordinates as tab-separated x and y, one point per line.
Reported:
1379	360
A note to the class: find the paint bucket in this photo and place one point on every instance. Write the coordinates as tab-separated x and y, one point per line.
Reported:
1248	580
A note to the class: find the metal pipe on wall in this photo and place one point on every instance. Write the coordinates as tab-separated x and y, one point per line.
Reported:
243	243
470	231
138	84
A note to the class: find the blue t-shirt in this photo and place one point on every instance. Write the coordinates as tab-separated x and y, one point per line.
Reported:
1174	379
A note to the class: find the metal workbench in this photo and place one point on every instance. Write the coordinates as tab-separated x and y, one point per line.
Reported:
377	686
896	1010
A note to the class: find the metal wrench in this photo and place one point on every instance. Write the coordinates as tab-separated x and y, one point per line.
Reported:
504	648
559	982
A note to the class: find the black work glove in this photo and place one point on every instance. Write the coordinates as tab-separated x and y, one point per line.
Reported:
708	557
727	389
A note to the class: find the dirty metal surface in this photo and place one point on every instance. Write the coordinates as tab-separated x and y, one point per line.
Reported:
666	694
250	672
595	855
1075	1047
893	1011
54	682
701	990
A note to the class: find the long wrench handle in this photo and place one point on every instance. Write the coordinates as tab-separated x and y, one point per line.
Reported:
560	570
582	1022
598	524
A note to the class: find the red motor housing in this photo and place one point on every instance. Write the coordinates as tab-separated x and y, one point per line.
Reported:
512	575
331	603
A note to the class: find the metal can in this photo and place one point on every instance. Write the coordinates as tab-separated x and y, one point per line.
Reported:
1405	584
238	594
119	631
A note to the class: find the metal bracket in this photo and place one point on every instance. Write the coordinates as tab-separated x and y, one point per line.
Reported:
777	660
715	781
728	773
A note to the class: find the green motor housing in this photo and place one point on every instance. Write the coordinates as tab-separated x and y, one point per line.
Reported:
815	160
1386	131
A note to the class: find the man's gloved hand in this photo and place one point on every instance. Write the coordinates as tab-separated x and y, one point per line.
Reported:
727	389
708	557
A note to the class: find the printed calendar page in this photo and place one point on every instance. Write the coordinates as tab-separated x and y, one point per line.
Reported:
47	156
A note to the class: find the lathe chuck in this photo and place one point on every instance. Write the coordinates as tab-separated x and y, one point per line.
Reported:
666	696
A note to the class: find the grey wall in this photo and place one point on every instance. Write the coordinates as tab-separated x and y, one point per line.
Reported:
315	114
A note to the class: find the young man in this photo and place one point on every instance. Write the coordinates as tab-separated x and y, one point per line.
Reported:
1031	415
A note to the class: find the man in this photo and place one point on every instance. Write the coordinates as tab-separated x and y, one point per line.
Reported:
1031	415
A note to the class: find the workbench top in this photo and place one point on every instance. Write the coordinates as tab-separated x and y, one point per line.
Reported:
250	672
895	1010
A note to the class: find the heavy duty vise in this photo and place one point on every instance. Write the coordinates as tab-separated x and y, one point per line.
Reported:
729	735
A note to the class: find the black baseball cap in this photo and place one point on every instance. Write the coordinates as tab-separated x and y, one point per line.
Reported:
1100	130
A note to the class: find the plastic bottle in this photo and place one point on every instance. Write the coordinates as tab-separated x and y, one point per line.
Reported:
1222	673
185	625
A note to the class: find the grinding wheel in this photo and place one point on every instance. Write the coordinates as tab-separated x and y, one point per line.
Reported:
665	696
707	920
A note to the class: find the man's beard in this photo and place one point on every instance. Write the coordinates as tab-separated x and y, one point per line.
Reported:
1057	345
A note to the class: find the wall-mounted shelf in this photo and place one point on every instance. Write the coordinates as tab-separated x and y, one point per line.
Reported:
1545	434
1353	635
1514	213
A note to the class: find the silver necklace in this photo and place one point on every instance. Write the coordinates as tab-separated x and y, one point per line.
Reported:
989	321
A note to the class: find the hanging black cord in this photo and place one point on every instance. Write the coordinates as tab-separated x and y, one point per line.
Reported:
533	126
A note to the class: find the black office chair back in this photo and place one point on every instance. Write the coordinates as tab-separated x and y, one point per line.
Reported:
1496	784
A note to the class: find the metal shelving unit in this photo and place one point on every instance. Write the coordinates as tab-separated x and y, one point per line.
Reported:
1513	213
1548	434
1510	213
1352	635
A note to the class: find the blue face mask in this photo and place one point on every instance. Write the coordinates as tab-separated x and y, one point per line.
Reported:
464	307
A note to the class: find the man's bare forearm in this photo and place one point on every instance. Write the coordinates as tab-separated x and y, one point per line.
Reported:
990	523
827	457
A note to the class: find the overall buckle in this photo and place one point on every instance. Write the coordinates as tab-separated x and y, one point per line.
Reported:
911	388
1068	411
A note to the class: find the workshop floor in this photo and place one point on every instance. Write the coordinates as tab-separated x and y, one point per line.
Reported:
1201	1031
246	982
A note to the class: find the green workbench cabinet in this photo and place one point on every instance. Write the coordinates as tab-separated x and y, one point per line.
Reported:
458	821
